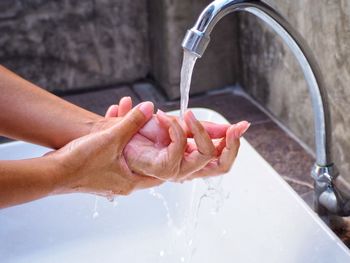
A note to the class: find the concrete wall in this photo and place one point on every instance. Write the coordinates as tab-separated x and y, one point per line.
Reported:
68	45
64	45
169	21
271	74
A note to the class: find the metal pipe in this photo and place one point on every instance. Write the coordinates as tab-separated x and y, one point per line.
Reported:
197	40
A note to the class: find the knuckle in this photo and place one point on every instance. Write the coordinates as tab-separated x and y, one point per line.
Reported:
200	128
211	153
119	158
136	119
224	168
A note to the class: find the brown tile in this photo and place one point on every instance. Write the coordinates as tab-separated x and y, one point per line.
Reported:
232	107
147	91
284	154
301	189
341	227
99	101
308	197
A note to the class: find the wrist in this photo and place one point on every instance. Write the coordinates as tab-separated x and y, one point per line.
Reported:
60	181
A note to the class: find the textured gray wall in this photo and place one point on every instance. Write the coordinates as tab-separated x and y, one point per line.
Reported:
69	44
169	21
272	75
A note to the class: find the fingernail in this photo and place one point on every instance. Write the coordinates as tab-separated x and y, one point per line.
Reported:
146	108
241	128
160	112
162	115
125	98
191	116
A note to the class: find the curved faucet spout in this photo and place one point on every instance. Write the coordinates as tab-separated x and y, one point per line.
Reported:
197	40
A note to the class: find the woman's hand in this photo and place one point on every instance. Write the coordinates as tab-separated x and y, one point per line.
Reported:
95	163
161	150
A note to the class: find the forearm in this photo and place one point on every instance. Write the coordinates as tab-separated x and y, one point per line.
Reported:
30	113
26	180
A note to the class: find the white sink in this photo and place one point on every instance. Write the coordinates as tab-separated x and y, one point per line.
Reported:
262	220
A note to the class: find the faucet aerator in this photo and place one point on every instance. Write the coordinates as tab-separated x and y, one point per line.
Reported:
195	42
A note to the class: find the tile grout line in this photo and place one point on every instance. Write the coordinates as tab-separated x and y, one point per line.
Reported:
238	91
296	181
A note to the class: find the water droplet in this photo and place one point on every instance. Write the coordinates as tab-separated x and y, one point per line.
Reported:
161	253
223	232
115	202
95	215
182	259
190	242
110	197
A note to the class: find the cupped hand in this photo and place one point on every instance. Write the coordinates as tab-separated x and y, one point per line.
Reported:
95	163
161	149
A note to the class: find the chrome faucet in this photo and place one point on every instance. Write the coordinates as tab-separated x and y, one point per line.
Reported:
332	193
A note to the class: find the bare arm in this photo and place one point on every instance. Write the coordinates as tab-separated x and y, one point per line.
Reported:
26	180
30	113
93	164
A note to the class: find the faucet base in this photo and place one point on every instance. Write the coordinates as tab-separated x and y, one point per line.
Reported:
325	195
328	198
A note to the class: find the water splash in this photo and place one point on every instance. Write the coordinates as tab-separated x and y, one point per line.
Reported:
214	189
95	213
115	202
159	196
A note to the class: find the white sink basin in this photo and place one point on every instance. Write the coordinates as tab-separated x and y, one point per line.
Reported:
262	220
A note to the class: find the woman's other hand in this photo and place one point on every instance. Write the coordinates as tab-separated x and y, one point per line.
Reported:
95	163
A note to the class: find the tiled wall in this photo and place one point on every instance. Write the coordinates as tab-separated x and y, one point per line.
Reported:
272	75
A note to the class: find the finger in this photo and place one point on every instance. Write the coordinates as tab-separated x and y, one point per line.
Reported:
125	105
220	145
241	128
205	151
228	155
112	111
204	144
176	148
214	130
129	125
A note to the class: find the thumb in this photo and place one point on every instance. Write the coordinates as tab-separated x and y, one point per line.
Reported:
132	122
